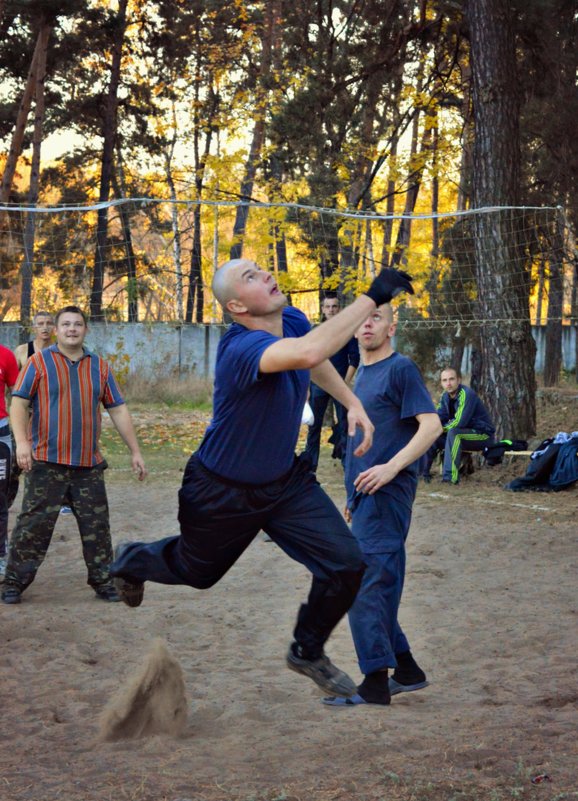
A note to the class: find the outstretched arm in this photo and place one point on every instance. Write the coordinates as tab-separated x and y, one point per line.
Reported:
380	474
306	352
326	376
122	420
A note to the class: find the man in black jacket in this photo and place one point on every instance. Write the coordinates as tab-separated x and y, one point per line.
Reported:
466	424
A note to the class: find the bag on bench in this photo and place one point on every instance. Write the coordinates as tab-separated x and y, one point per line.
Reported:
494	453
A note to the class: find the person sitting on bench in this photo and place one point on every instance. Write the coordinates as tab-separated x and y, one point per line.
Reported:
466	426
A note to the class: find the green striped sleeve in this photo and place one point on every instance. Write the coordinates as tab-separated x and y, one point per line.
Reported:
459	411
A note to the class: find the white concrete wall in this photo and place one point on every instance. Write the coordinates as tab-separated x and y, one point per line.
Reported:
157	349
154	350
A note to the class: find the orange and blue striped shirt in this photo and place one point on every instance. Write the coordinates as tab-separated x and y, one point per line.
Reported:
65	399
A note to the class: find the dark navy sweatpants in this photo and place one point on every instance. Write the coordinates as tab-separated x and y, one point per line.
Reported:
220	518
381	525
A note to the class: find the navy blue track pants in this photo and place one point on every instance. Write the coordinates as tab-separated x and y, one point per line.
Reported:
219	519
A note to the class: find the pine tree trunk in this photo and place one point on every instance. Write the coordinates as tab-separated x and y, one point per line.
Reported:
177	248
280	251
109	136
404	230
22	117
258	138
464	188
207	124
196	296
33	191
574	314
507	346
399	255
390	204
119	187
553	350
457	352
432	282
540	291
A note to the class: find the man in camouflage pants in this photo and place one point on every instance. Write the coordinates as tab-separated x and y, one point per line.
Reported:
63	386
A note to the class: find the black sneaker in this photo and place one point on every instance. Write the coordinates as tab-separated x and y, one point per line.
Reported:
130	591
374	689
323	672
107	592
408	676
11	595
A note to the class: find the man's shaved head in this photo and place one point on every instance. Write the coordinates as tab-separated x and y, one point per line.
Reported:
246	291
223	280
387	309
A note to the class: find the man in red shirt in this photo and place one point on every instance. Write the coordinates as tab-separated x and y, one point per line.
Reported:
64	386
8	376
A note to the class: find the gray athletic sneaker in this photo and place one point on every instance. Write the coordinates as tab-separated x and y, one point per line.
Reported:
324	674
130	591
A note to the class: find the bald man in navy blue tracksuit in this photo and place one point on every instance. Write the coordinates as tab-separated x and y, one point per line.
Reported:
245	476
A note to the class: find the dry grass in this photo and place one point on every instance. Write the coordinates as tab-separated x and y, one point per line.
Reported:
384	786
188	391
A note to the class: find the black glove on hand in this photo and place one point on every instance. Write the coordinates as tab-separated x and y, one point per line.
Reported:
388	284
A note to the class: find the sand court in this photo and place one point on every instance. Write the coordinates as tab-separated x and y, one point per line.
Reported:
489	607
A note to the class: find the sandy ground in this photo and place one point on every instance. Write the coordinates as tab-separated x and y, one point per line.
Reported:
489	607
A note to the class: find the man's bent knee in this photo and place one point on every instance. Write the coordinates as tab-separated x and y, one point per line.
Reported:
203	583
351	580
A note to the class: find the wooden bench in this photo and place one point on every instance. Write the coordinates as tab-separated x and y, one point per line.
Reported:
512	454
480	457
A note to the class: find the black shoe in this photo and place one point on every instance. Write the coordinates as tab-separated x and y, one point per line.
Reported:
130	591
323	672
107	592
408	676
11	595
374	689
427	478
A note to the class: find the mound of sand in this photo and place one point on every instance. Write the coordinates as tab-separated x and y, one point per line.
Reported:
153	701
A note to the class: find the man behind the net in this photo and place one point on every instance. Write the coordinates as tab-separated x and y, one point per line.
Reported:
245	476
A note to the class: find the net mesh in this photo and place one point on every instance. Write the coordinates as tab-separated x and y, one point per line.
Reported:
161	255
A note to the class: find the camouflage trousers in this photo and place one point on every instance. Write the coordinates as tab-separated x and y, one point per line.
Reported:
5	461
47	487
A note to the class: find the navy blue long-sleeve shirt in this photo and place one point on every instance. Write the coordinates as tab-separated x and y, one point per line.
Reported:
465	410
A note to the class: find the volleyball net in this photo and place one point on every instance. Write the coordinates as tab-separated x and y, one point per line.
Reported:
156	258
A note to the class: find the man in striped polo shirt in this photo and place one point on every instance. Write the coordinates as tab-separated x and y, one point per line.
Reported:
63	386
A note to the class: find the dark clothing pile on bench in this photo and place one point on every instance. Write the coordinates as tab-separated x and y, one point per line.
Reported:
553	466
